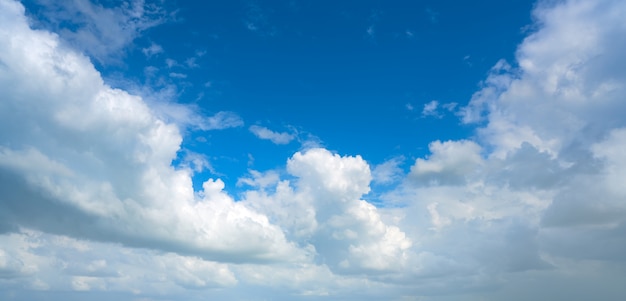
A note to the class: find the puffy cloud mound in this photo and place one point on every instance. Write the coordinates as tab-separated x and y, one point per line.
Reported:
82	159
323	209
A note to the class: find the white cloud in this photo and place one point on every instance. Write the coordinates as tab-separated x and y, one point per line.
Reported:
323	207
267	134
430	109
567	84
532	207
540	191
552	133
450	163
101	156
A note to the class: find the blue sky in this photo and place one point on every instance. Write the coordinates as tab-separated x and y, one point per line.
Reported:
312	150
353	76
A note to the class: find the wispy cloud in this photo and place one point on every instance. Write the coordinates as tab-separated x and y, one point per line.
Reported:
170	63
152	50
432	109
433	16
258	21
223	120
373	21
267	134
388	172
102	32
178	75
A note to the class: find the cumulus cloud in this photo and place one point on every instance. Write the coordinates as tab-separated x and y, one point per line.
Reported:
534	202
267	134
567	87
542	174
563	101
79	158
324	208
539	191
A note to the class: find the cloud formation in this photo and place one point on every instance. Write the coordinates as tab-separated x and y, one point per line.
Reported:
73	146
530	206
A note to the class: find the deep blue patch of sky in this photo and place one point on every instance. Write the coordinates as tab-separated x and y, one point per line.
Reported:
346	72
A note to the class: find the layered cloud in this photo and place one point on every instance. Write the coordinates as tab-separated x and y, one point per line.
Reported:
92	202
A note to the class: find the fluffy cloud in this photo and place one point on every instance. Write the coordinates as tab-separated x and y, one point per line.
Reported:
82	159
542	183
86	170
324	209
450	163
51	260
564	100
91	201
567	89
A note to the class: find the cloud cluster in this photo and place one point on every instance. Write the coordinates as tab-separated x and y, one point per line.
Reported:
79	158
540	186
324	209
91	201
